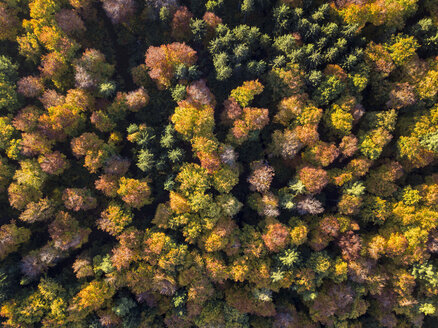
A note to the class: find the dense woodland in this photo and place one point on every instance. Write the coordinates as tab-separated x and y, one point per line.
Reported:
220	163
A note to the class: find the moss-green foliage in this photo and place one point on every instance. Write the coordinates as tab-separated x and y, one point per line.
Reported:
239	52
8	77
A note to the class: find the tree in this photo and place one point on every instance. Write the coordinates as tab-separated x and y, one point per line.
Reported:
348	145
246	93
329	90
392	14
339	120
192	119
276	237
289	108
11	237
158	4
90	298
35	143
6	132
245	302
193	178
253	119
371	144
309	205
285	82
314	179
351	245
178	203
62	121
228	155
137	99
30	86
77	199
9	22
108	185
53	163
402	49
146	160
215	267
381	180
135	193
402	95
66	232
21	195
114	219
51	98
412	150
209	161
26	119
119	10
181	20
307	134
212	21
225	179
430	142
222	66
40	260
5	174
69	21
349	204
321	154
261	176
8	70
8	77
42	210
84	143
163	61
379	59
231	112
220	236
95	151
199	92
102	121
375	209
54	66
91	69
228	57
30	174
82	267
117	166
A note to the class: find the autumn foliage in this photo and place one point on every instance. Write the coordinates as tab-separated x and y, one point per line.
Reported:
216	163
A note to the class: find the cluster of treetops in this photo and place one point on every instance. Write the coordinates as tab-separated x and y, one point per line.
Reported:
220	163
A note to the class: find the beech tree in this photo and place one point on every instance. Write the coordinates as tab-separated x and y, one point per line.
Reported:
11	237
114	219
261	176
9	22
76	199
135	193
164	60
66	232
91	69
42	210
181	30
30	86
118	10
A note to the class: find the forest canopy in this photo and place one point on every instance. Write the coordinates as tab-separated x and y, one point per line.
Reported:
220	163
